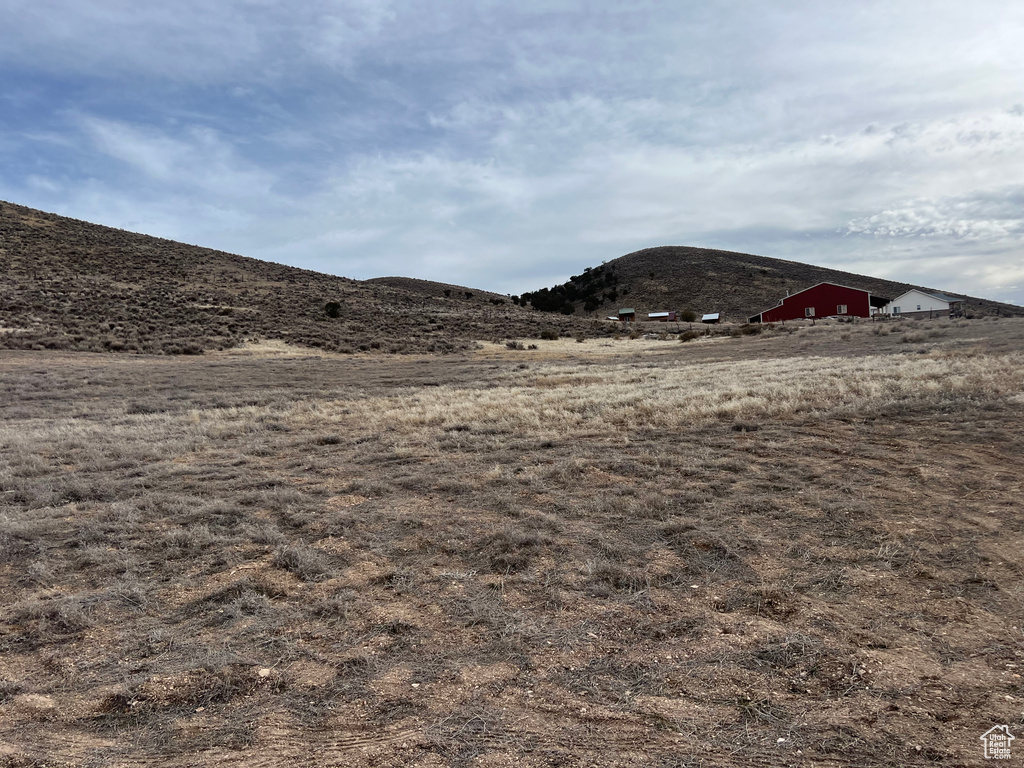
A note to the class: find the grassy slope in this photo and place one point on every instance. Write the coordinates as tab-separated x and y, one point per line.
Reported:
736	284
67	284
434	289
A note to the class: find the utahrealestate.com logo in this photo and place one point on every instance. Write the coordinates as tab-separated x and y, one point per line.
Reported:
997	742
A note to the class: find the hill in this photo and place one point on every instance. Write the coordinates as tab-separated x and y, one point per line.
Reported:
707	280
69	284
437	290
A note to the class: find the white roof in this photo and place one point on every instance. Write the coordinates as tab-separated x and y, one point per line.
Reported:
932	294
657	314
711	316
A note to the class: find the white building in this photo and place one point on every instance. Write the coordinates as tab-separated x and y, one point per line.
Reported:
915	303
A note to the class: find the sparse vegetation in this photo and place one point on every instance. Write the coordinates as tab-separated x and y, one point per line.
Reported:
69	285
559	555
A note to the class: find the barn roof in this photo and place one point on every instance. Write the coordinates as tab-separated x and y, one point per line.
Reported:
827	282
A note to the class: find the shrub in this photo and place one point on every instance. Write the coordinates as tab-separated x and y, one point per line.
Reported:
333	309
509	550
305	562
329	439
687	316
549	334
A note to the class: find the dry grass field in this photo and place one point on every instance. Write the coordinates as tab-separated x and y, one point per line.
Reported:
800	547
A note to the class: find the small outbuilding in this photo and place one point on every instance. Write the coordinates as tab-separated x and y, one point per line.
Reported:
917	303
711	318
627	315
823	300
661	317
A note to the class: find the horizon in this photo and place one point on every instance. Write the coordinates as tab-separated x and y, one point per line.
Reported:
509	147
503	293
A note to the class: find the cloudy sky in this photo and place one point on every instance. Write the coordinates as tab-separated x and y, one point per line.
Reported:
508	145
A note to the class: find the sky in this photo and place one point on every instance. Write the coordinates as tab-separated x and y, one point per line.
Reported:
505	146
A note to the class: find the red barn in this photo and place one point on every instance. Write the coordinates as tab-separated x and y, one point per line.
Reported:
823	300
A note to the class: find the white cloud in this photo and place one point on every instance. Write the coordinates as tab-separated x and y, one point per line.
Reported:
506	145
197	158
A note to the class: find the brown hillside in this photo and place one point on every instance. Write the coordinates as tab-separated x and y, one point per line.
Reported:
435	289
736	284
68	284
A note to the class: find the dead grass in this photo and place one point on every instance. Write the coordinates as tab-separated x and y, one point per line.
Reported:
713	553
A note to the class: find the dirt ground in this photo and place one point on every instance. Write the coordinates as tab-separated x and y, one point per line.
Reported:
800	547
